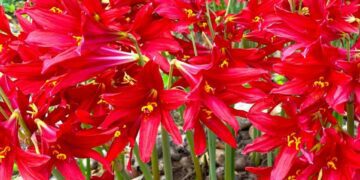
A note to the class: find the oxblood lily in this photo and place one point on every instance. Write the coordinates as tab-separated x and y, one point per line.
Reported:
316	76
335	157
64	144
29	163
280	132
147	104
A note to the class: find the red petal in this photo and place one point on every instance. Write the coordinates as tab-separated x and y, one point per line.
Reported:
148	132
170	126
199	139
263	144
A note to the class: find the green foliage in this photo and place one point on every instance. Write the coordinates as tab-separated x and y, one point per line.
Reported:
11	5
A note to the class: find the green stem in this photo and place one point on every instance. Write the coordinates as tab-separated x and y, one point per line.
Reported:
155	164
6	99
229	162
209	21
350	116
2	111
270	158
228	7
137	48
192	37
190	139
212	154
292	5
143	167
166	154
88	169
256	155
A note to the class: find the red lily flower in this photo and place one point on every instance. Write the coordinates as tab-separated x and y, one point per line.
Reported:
148	104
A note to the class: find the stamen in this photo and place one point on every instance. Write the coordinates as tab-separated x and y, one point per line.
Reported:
61	156
257	19
127	79
117	134
208	88
77	39
321	83
34	110
56	10
149	107
305	11
331	164
292	139
208	113
224	63
4	152
189	12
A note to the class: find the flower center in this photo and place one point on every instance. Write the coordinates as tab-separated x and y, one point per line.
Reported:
292	139
56	10
305	11
4	152
34	110
332	163
189	12
321	83
59	156
117	134
208	88
224	63
127	79
77	39
149	107
257	19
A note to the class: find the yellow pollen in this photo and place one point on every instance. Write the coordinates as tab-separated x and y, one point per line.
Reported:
186	57
97	17
331	163
61	156
189	12
223	50
202	24
56	10
78	40
4	152
127	19
34	110
257	19
224	63
127	79
230	19
273	38
153	93
291	177
52	83
304	11
291	139
208	88
321	83
117	134
1	48
208	113
149	107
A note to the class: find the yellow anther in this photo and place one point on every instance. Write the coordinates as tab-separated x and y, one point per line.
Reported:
230	19
321	83
189	12
224	63
257	19
223	50
145	58
291	139
352	19
34	110
61	156
52	83
102	101
56	10
77	39
208	113
4	152
208	88
291	177
127	19
117	134
186	57
202	24
127	79
273	38
305	11
97	17
1	48
331	164
153	93
149	107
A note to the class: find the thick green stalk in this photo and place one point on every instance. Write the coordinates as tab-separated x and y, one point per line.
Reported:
212	154
155	164
190	139
137	48
256	155
165	137
192	37
229	162
143	167
88	169
270	158
350	104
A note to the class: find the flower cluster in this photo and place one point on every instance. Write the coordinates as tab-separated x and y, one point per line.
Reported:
86	74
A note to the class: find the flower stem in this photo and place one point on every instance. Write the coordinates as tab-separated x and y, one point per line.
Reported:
209	20
350	104
2	111
88	169
192	37
229	162
256	155
155	164
137	48
6	99
270	158
190	139
165	137
143	167
212	154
